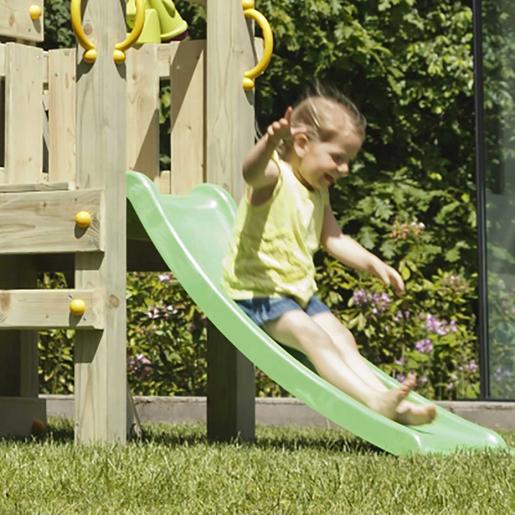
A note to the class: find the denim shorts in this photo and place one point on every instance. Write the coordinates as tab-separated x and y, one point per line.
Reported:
266	309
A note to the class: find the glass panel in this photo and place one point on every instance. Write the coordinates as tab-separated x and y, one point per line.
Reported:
499	104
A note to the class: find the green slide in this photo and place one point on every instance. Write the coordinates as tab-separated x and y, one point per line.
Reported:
191	233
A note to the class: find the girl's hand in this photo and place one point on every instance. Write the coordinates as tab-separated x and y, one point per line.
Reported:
390	277
282	128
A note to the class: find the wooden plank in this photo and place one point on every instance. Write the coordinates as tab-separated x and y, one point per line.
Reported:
2	131
18	349
37	186
164	182
47	309
100	356
143	110
62	120
23	133
2	63
229	135
164	54
187	114
44	222
230	109
15	20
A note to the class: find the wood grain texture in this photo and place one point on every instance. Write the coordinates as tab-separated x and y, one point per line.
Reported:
143	110
62	119
100	356
47	309
44	222
23	120
15	21
187	115
230	110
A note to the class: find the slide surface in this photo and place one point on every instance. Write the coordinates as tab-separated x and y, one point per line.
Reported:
192	233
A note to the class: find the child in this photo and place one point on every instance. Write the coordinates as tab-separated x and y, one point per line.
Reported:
283	218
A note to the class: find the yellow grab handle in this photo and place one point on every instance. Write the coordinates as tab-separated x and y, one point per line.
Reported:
250	12
35	12
90	55
139	22
77	307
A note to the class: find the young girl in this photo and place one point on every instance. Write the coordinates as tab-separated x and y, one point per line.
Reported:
282	220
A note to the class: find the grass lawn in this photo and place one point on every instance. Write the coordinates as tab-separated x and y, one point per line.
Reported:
175	470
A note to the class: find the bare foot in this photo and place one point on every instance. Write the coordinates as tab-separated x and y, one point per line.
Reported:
387	402
412	415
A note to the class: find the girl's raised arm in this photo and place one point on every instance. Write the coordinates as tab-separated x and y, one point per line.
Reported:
259	170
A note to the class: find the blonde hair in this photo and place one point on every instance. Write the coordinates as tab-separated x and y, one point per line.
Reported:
323	116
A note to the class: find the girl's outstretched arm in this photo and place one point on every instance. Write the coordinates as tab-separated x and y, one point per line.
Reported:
259	171
351	253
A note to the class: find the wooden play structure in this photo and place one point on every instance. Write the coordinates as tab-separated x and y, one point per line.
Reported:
71	127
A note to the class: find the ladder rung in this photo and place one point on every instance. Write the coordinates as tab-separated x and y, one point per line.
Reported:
51	309
43	222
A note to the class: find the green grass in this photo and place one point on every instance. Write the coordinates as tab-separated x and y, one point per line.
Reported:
175	470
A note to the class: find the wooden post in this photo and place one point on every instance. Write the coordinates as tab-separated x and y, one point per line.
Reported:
229	134
100	356
19	386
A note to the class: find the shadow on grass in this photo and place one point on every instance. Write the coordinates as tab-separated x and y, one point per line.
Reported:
282	438
60	431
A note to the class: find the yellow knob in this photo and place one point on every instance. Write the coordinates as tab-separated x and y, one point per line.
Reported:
77	307
119	56
35	12
247	4
248	83
83	219
90	56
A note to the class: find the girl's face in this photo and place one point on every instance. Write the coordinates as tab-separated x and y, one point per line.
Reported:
319	164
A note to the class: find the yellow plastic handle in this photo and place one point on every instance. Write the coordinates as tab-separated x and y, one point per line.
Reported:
139	21
250	12
35	12
90	55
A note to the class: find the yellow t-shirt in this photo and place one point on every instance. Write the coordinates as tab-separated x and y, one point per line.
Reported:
274	243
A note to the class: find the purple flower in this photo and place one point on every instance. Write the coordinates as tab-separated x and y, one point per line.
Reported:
453	328
401	378
165	278
440	327
141	366
153	313
158	312
381	301
425	346
422	380
472	366
400	361
435	325
360	297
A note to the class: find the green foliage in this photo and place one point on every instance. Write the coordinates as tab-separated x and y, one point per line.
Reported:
429	330
58	31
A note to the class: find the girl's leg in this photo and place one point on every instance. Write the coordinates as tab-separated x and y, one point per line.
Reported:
297	330
407	412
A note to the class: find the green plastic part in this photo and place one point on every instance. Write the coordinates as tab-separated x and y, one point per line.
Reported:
192	234
162	21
